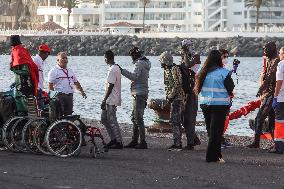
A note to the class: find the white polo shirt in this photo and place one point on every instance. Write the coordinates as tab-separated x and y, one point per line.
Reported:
114	77
280	76
40	65
63	79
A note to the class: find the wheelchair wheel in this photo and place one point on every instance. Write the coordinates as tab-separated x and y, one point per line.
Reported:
63	138
16	134
2	144
28	135
39	138
7	138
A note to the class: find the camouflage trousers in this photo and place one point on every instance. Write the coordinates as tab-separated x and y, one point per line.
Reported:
109	120
177	107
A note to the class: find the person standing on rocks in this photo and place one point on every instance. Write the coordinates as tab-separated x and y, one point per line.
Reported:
112	99
139	90
190	63
175	97
215	85
278	106
266	94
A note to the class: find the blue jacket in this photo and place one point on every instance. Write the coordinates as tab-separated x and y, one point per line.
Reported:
213	91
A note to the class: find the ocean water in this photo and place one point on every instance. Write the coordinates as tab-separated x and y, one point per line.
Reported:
91	72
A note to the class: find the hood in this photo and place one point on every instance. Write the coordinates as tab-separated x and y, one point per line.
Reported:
145	62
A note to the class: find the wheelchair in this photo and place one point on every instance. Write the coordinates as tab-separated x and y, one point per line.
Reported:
42	132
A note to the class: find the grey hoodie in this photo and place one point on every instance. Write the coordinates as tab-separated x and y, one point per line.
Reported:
139	77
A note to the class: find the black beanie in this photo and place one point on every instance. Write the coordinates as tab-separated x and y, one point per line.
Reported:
15	40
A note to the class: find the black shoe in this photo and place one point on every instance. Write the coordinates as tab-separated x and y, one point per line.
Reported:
253	145
112	142
189	147
196	141
117	145
142	145
175	148
132	144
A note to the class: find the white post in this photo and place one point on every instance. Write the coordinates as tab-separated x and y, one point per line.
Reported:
48	3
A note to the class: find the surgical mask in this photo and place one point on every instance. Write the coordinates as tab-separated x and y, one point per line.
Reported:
225	61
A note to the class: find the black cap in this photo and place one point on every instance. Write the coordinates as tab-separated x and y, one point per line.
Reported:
15	40
135	50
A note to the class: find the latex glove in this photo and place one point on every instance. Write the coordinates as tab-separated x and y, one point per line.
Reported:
274	103
103	105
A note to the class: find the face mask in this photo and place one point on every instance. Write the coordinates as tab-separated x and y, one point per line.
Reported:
225	61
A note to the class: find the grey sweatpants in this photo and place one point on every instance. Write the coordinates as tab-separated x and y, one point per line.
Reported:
109	120
175	120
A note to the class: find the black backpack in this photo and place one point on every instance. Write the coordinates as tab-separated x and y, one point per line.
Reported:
7	108
188	79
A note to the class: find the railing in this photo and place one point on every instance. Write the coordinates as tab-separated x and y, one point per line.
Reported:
162	32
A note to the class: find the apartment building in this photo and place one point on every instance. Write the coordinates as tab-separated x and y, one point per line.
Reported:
166	15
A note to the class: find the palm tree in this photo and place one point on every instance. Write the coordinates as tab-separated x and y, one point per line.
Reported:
145	2
69	5
256	4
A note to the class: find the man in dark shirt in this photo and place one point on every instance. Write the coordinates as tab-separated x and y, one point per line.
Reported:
266	93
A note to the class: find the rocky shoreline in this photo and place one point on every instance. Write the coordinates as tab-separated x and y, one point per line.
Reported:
96	45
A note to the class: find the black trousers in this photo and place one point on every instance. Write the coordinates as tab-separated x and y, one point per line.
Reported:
189	117
264	111
215	116
65	102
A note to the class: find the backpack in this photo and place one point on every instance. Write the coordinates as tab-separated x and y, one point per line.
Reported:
7	108
188	79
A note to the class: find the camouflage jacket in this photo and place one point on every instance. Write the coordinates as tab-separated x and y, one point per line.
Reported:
173	83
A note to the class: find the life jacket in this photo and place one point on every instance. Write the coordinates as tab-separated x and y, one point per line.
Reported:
21	56
213	91
279	130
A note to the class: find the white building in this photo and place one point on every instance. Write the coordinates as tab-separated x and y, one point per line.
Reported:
167	15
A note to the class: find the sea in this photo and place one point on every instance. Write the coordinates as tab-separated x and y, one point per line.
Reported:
91	72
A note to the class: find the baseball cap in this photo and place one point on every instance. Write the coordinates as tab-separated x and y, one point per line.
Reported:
44	47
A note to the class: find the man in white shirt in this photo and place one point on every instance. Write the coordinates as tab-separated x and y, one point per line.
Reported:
278	106
112	99
39	60
63	80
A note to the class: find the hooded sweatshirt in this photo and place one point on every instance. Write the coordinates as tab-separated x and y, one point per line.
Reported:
139	77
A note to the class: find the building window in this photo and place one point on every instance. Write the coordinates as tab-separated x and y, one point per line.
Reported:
197	1
237	1
197	13
237	13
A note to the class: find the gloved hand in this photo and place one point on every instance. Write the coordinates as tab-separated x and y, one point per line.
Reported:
103	105
274	103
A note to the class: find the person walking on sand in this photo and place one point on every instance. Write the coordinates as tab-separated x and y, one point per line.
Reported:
215	85
278	106
175	97
111	100
139	90
266	93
